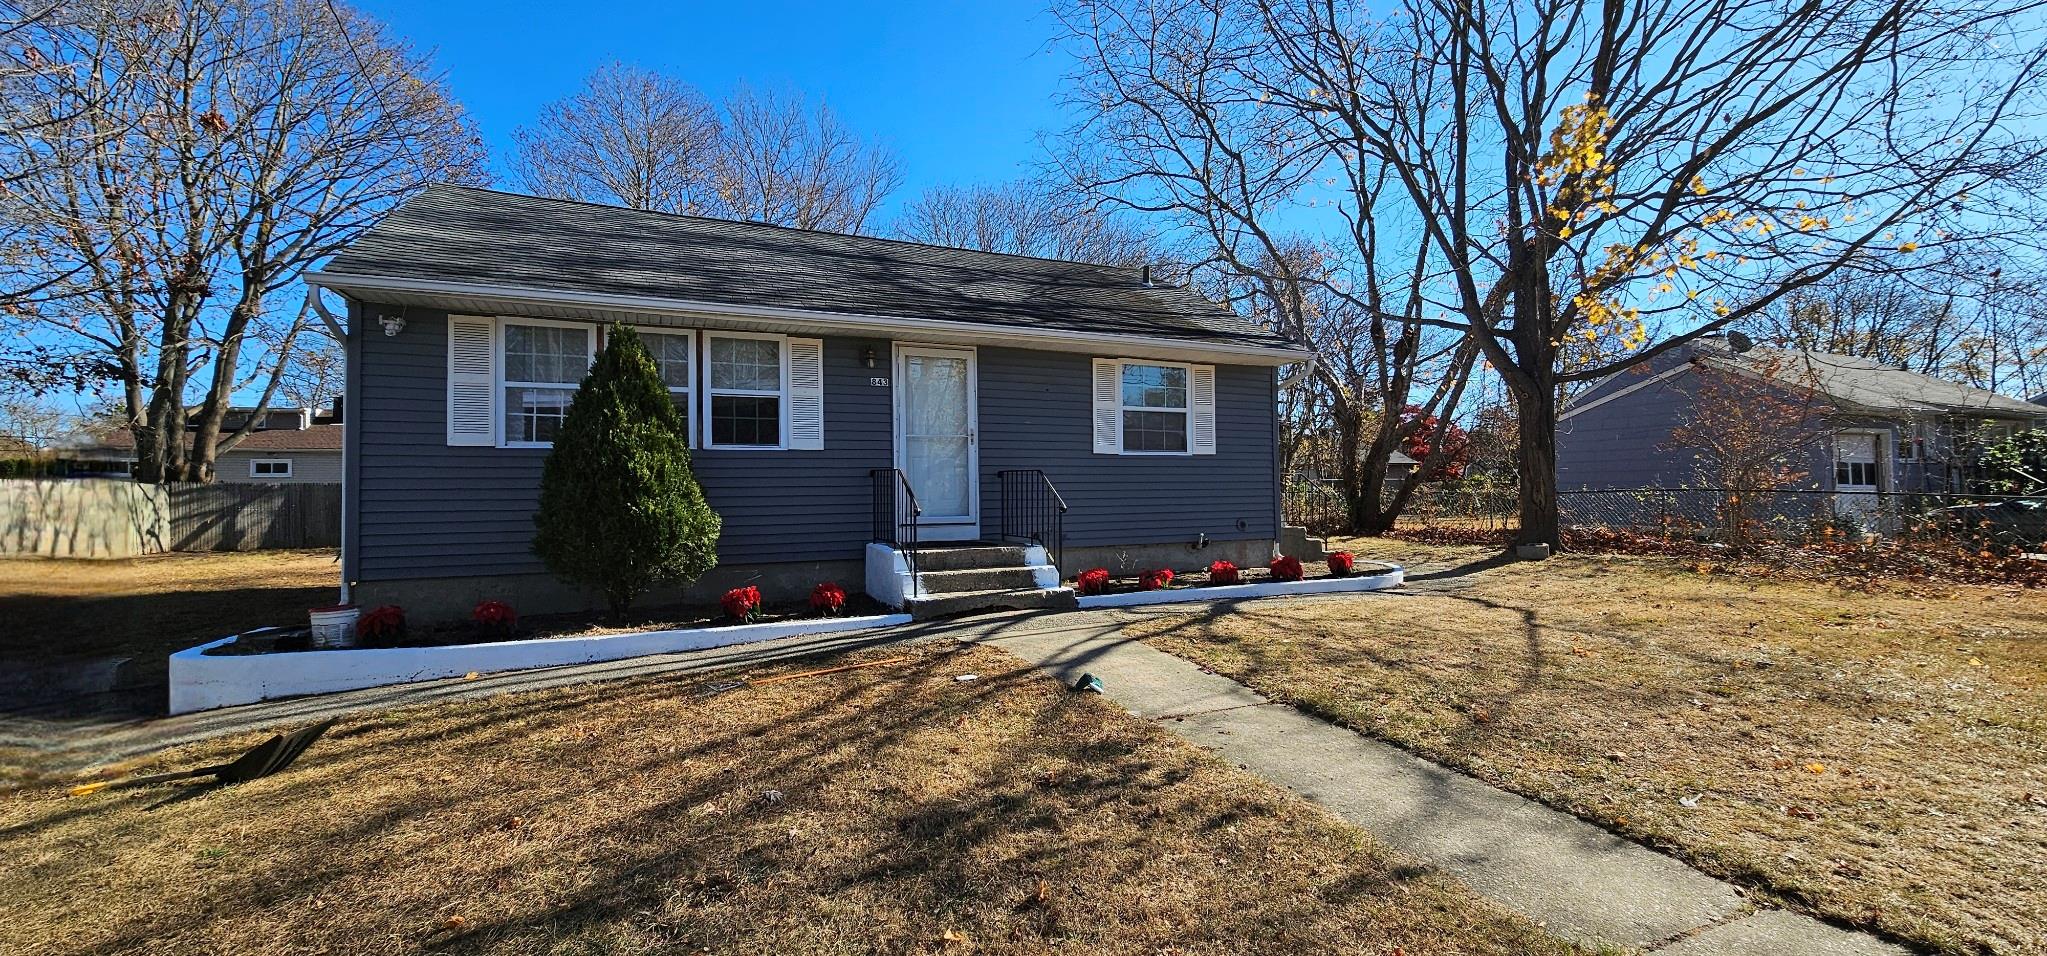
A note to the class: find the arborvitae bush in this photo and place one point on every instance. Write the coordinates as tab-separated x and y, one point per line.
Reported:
620	510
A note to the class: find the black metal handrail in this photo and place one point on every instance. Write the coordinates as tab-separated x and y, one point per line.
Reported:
1033	510
896	515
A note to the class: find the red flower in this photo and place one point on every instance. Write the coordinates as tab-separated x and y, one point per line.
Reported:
828	598
1286	567
741	604
1341	563
495	616
1093	580
1223	572
1156	580
386	623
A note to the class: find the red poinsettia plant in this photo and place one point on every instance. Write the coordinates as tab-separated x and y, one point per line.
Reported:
382	625
742	604
1341	563
1156	580
828	598
1223	572
1093	580
495	617
1286	567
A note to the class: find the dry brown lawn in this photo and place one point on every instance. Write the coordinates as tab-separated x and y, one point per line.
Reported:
1876	758
149	607
885	810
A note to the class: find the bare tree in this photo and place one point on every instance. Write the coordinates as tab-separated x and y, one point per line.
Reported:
1646	170
1026	217
791	165
1978	325
215	149
1751	428
650	141
631	136
1184	121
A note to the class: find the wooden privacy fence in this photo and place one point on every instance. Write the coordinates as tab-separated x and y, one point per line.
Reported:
239	517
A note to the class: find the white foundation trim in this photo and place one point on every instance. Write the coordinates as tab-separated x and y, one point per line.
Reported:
202	682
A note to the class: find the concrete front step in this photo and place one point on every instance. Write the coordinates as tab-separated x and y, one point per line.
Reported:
1294	540
926	607
976	579
970	557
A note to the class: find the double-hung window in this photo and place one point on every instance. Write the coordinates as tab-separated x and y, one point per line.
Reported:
745	393
543	362
673	354
1149	407
1154	408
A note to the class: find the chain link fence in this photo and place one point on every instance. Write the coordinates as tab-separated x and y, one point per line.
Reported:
1722	515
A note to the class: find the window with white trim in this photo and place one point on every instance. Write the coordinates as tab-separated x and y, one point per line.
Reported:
541	364
270	468
745	390
1154	408
673	353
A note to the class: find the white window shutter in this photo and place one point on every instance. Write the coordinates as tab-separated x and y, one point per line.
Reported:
472	386
1201	405
1108	407
806	394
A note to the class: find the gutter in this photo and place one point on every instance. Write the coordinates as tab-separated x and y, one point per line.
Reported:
341	282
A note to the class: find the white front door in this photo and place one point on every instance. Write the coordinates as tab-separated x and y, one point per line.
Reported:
936	444
1857	474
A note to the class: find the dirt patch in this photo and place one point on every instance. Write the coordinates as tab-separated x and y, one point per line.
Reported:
1873	755
888	810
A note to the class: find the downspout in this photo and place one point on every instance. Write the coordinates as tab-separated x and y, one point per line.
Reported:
349	413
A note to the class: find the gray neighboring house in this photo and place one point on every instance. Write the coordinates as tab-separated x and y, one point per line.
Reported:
816	371
291	446
1884	429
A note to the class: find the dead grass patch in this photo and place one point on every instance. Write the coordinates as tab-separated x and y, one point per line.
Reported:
886	810
1878	756
149	607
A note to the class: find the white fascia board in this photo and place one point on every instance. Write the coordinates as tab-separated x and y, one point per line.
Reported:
1575	409
1102	342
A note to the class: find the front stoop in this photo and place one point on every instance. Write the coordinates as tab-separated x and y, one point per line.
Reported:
960	580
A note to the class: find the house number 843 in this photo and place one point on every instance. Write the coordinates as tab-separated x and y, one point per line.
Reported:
879	381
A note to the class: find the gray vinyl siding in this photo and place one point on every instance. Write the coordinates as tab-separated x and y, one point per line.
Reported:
422	509
1620	444
1626	442
307	467
1037	412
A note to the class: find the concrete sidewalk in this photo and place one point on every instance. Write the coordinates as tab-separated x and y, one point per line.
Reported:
1579	881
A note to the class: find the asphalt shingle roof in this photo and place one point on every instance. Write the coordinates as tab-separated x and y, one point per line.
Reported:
1873	386
469	235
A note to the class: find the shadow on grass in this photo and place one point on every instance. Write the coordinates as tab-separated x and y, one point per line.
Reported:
1038	788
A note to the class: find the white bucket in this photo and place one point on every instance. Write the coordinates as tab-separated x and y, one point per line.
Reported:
334	626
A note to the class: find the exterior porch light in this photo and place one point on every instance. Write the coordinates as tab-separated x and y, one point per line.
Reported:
867	355
393	322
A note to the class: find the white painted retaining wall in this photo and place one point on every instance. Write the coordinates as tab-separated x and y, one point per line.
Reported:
1231	592
203	682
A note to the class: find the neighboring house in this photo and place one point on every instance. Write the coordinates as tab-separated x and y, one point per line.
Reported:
1881	429
291	446
813	369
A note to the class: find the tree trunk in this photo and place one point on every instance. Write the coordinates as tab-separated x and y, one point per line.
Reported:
1538	446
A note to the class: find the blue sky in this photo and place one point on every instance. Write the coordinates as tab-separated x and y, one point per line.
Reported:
959	90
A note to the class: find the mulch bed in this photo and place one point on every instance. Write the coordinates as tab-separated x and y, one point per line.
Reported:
1195	580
